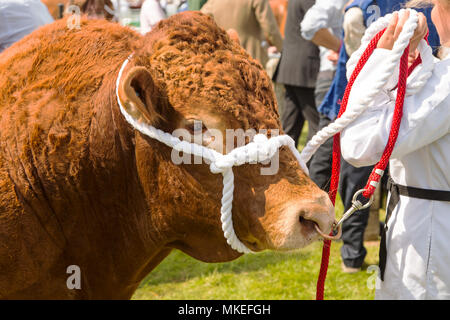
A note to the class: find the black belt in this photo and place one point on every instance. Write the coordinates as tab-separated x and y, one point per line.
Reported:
396	191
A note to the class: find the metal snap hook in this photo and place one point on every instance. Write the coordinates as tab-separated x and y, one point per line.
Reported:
356	206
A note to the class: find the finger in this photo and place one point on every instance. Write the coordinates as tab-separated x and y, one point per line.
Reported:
423	24
401	23
387	39
422	28
420	32
390	30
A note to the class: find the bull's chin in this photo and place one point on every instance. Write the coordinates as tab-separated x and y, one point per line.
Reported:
253	245
289	247
298	239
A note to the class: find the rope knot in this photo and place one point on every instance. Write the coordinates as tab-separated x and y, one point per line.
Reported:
222	164
266	148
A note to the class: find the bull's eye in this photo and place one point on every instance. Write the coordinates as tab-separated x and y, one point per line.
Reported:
195	127
199	132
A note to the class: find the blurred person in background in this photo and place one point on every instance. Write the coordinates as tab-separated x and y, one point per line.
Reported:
56	8
322	25
254	22
19	18
151	14
170	6
279	8
94	9
297	70
195	5
183	6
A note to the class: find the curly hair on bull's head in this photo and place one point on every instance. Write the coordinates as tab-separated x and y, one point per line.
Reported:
196	58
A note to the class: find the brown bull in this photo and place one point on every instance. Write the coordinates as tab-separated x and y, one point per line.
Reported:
79	186
97	9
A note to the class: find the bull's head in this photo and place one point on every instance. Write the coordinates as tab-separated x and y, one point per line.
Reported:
189	72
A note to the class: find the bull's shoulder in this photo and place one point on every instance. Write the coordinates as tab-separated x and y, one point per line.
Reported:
56	69
64	54
50	84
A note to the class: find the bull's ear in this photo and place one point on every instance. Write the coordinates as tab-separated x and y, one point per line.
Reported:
137	93
234	36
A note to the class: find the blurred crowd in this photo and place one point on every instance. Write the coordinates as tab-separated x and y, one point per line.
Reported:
303	44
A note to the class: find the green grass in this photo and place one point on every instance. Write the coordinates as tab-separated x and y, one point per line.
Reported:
266	275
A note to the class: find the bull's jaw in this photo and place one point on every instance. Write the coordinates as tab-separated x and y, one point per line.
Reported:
214	253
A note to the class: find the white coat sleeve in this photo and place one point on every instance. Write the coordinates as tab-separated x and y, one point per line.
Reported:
318	17
151	13
426	115
20	18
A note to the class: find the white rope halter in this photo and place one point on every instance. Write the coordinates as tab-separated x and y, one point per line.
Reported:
260	150
416	80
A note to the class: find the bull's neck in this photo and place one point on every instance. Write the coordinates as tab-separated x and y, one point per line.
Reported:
120	236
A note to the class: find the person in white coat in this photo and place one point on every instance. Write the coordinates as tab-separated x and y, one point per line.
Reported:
151	13
19	18
417	235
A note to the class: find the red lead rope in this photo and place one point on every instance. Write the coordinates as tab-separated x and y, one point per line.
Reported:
382	164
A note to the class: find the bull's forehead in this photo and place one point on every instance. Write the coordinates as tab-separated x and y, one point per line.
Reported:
201	68
226	84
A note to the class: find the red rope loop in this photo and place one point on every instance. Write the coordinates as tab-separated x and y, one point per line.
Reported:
375	176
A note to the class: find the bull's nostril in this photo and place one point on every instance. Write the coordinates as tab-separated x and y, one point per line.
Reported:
307	224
